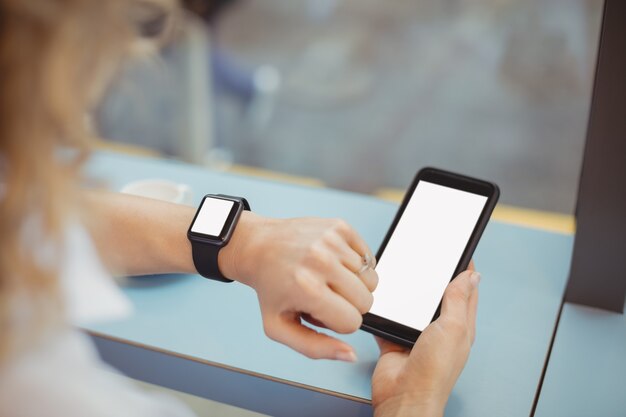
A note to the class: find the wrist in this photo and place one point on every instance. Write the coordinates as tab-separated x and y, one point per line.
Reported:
235	259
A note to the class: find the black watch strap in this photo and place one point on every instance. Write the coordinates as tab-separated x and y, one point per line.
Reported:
205	255
205	260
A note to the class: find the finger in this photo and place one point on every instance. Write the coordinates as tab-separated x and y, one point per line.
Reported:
350	286
333	310
354	262
455	304
353	239
369	278
349	257
472	313
308	318
288	330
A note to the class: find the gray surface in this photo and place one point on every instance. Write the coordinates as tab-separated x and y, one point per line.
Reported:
586	375
226	386
524	276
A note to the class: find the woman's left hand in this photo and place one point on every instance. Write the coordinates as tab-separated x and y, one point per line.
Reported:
419	381
306	268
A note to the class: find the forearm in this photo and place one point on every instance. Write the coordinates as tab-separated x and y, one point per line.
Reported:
137	236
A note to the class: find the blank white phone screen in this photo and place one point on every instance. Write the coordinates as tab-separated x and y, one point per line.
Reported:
212	216
423	252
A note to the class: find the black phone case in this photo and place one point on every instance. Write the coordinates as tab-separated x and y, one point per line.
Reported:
379	326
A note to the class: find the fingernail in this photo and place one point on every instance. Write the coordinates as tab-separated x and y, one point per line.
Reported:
474	278
346	356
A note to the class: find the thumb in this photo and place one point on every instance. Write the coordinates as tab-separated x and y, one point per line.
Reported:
386	346
456	298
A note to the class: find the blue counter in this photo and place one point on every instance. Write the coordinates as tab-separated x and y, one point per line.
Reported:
206	338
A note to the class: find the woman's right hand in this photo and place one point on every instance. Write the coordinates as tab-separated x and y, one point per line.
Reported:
418	382
303	269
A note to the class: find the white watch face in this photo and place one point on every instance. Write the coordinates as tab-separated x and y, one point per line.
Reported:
212	216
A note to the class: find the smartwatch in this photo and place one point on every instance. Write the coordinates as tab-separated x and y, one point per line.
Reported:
211	230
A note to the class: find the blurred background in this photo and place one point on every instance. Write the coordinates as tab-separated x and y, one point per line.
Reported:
359	94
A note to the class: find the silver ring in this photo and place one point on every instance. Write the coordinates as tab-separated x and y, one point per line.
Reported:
368	263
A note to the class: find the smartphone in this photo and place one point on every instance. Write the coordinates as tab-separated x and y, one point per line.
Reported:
431	240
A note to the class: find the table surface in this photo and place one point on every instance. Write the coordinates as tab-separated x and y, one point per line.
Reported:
586	375
524	274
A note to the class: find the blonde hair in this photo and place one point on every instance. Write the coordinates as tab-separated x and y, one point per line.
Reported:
54	55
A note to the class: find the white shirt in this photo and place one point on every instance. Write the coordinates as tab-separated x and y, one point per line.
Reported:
64	376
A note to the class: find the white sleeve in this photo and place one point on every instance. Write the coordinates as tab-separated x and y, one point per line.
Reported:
65	378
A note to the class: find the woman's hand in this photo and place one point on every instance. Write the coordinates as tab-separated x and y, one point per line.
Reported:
419	382
304	268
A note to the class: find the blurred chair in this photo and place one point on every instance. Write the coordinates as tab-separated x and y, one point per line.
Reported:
162	98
